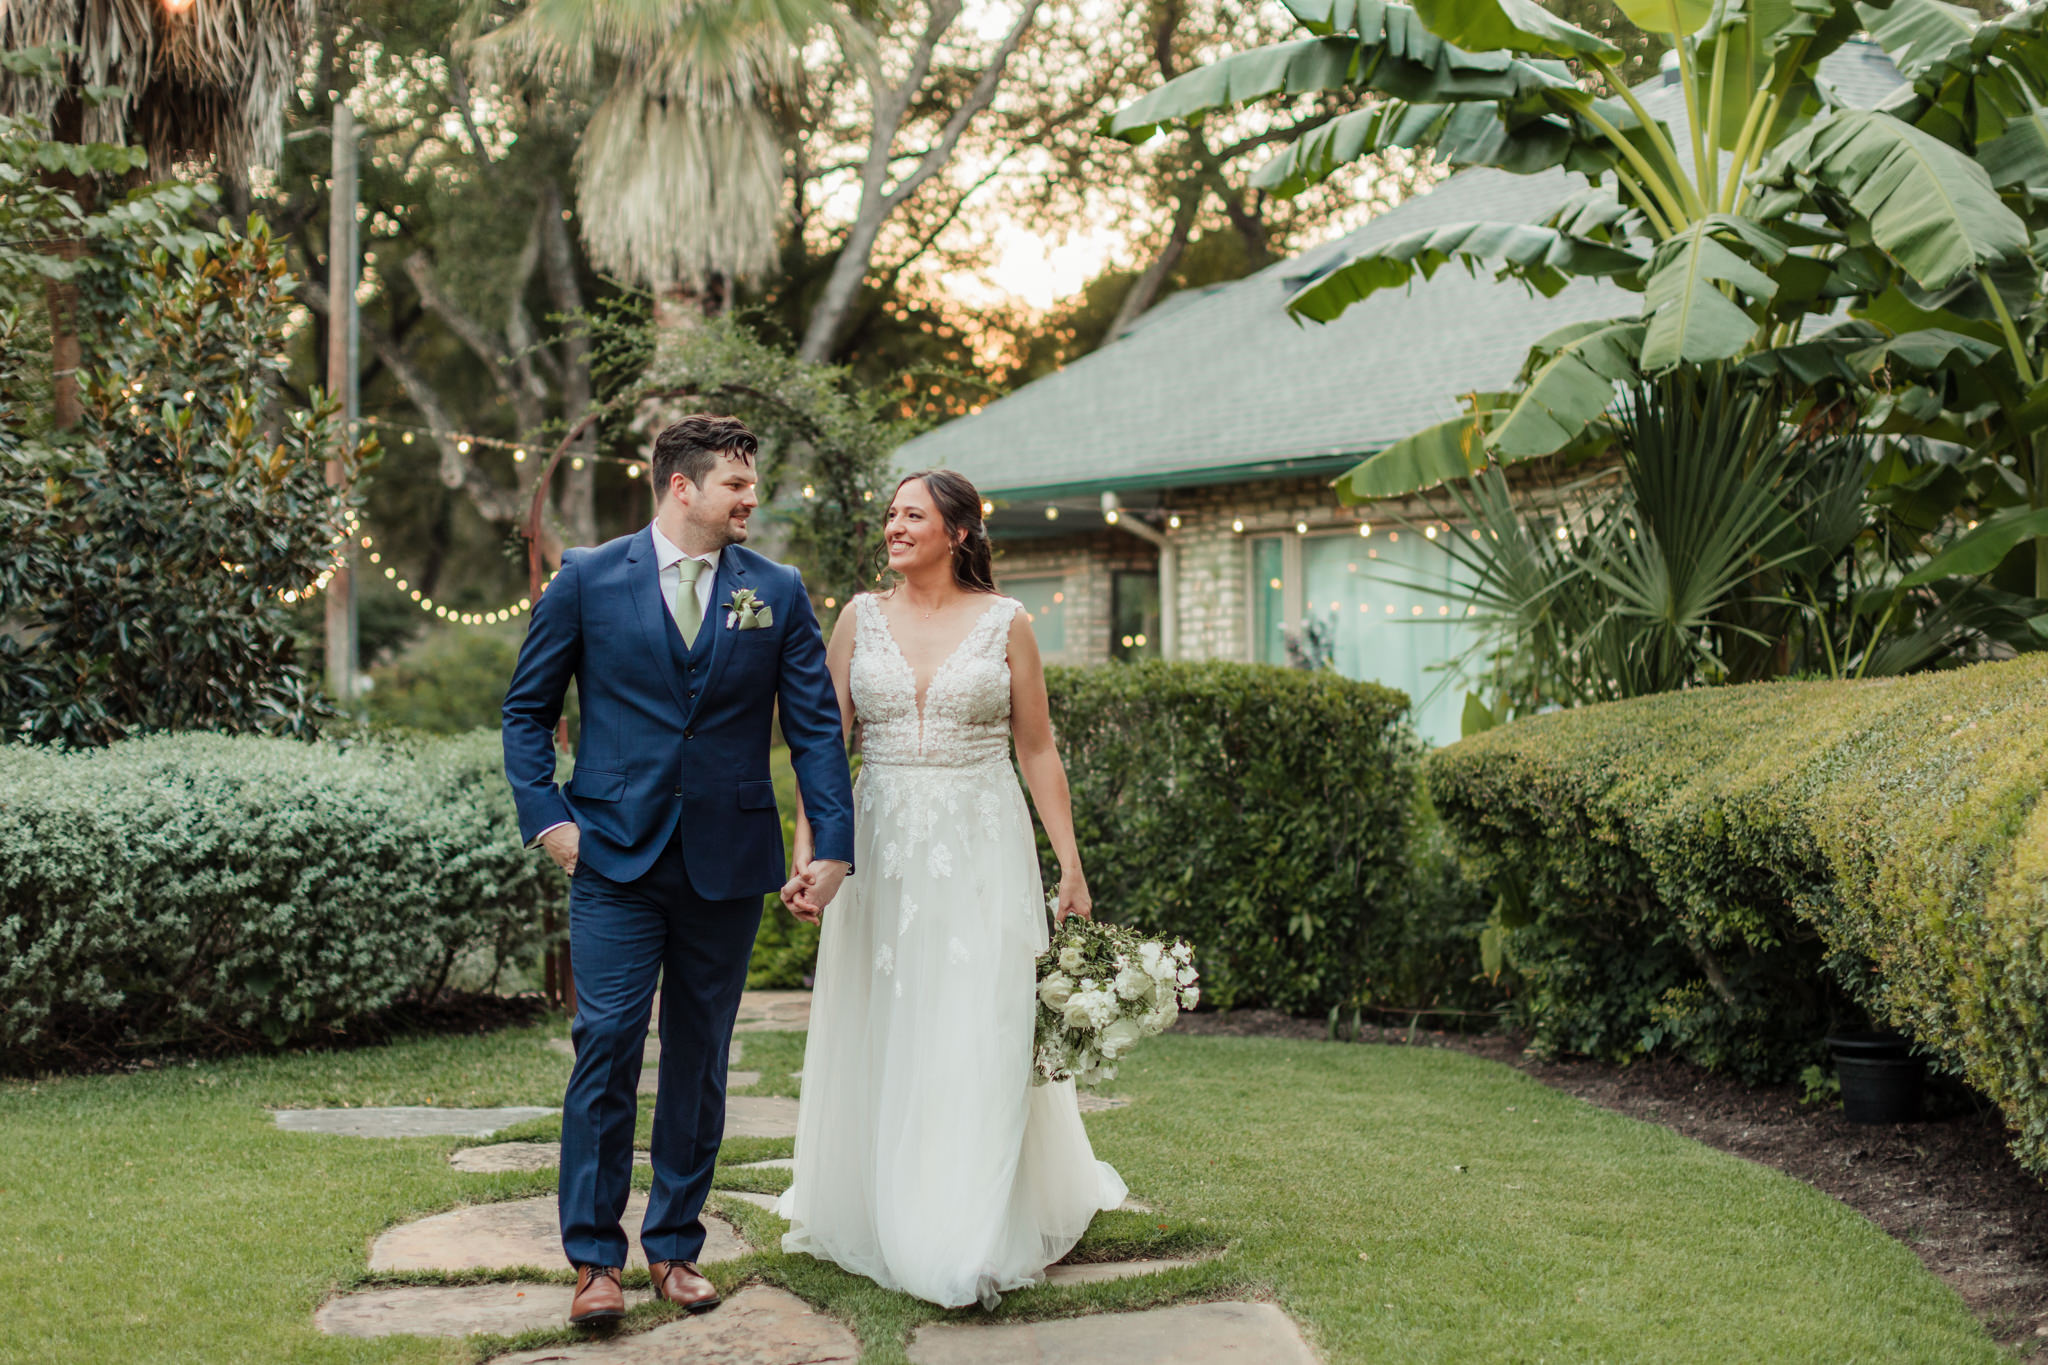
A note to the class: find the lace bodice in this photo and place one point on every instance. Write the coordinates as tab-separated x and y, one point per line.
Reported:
966	716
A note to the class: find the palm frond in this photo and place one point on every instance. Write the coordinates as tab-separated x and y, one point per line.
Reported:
209	82
684	192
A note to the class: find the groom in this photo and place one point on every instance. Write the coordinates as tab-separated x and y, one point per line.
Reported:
681	642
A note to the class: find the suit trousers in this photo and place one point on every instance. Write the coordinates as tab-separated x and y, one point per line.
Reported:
621	936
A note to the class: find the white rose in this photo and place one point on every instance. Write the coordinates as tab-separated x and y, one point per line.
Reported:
1183	953
1077	1013
1055	990
1162	1018
1148	957
1190	997
1072	959
1187	976
1120	1037
1133	983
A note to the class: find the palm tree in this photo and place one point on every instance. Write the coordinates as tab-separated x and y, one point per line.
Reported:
184	81
679	177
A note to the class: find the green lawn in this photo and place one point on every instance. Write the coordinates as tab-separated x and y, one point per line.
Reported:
1403	1204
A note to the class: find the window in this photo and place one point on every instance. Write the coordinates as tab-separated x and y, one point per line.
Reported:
1269	603
1134	616
1385	626
1046	600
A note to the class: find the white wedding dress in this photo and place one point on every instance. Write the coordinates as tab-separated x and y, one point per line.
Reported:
925	1158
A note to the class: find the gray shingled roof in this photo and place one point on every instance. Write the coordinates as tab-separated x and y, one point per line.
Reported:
1221	384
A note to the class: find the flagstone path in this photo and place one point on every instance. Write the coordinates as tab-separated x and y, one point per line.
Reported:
1190	1334
405	1120
759	1325
515	1234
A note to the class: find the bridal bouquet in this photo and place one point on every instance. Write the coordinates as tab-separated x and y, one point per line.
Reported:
1102	987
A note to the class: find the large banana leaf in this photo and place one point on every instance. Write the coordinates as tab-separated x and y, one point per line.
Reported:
1970	91
1516	25
1393	53
1432	456
1543	257
1571	385
1671	17
1300	67
1929	207
1463	134
1919	34
1689	317
1981	550
2018	157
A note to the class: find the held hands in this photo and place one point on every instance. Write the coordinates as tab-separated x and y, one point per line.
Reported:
562	843
812	886
1074	898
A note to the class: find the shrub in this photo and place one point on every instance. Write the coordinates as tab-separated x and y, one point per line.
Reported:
155	548
1727	871
1266	815
187	890
452	681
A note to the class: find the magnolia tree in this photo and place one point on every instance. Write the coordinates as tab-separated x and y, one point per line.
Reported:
1883	254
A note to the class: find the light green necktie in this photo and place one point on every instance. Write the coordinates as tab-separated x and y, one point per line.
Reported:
689	611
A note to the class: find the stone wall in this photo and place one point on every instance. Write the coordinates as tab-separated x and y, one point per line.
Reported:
1084	563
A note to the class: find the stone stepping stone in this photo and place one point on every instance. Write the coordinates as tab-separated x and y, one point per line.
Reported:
518	1156
410	1120
515	1234
1189	1334
774	1012
780	1163
1096	1104
453	1311
759	1201
649	1056
757	1326
650	1080
760	1116
1095	1272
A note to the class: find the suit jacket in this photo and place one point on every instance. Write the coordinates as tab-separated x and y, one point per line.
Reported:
670	734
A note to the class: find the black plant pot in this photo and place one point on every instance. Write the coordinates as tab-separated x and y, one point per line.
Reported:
1880	1077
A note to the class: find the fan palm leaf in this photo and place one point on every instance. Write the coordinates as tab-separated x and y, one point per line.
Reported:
206	83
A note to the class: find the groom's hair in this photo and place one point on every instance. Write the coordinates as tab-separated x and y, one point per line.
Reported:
692	447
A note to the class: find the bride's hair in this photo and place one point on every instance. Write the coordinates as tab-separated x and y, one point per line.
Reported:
960	510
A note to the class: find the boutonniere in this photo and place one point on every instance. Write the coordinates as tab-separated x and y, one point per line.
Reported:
745	611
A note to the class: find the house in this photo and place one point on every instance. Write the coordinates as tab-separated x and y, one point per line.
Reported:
1169	494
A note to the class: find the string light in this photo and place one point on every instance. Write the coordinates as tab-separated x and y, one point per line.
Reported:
1173	522
1301	528
1365	529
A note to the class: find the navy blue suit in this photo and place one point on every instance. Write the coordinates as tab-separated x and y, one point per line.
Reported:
679	842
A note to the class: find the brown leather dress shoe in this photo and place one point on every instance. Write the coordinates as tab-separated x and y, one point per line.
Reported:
682	1284
599	1297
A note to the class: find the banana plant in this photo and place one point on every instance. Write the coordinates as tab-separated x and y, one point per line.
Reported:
1767	208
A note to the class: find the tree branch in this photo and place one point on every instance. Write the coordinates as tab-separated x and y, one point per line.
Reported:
978	99
458	470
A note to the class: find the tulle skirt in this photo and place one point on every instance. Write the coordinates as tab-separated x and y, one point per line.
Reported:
925	1158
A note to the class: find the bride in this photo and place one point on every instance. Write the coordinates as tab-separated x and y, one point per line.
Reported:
925	1158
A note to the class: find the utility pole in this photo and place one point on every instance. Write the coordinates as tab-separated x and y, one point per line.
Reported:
341	381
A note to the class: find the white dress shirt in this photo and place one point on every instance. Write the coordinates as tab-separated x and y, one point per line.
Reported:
667	556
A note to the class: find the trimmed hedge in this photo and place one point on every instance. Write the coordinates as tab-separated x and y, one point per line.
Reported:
1723	871
1268	816
198	889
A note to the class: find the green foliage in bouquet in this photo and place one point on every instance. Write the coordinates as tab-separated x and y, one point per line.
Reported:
1101	989
217	890
1272	816
1727	873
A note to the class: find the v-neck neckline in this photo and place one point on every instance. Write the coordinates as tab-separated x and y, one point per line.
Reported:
918	694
